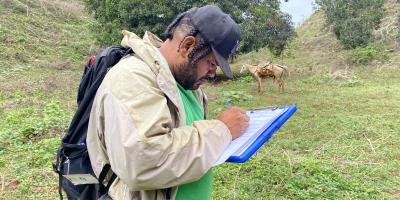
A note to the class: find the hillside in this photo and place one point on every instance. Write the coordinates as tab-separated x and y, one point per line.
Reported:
43	44
316	50
341	143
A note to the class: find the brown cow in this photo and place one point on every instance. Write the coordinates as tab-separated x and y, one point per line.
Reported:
263	71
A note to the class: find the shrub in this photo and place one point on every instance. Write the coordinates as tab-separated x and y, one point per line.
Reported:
365	55
354	32
29	123
236	96
353	21
261	22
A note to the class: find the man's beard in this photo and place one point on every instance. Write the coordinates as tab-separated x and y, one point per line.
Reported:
186	76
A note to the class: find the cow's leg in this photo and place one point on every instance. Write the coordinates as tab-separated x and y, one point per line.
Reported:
280	84
260	86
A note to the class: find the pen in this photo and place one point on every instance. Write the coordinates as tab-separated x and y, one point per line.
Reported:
261	108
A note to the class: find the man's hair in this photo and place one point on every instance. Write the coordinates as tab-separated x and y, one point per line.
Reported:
184	24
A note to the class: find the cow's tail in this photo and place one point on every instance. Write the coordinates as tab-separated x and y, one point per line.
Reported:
285	73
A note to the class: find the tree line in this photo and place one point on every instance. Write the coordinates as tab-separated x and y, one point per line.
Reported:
261	22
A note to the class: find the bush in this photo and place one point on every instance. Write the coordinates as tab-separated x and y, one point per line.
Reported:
29	123
261	22
15	5
235	97
353	21
354	32
365	55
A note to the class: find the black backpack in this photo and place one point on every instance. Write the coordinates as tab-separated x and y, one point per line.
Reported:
72	156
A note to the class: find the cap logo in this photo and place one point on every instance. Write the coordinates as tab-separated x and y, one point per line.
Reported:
235	47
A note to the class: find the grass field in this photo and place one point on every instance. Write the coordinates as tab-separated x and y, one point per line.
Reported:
342	143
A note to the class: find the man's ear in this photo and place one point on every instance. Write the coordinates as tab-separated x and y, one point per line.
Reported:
187	45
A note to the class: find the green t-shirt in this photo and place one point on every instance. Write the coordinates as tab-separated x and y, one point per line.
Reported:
202	188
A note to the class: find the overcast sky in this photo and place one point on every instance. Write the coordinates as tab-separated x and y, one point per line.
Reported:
298	9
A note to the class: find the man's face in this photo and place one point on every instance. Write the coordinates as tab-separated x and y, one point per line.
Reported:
191	77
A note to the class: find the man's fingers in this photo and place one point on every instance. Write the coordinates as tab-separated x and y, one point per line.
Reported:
239	109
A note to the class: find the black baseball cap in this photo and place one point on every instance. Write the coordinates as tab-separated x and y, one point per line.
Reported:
219	30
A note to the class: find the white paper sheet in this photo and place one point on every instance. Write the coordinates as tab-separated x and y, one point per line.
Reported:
260	120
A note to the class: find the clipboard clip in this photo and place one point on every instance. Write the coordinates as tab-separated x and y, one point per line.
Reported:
262	108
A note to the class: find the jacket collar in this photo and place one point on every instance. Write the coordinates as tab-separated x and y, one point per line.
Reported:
147	50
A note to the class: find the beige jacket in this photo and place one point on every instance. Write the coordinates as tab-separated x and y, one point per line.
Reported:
137	124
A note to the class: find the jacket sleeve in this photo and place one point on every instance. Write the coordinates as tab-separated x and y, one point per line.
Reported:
143	147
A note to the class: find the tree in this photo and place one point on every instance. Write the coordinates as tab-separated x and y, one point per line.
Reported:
275	32
353	21
261	22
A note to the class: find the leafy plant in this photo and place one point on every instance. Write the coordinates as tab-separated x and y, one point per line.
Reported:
354	32
364	55
353	21
28	123
317	80
265	28
246	79
236	96
261	23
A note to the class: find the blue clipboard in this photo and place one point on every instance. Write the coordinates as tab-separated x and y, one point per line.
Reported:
265	135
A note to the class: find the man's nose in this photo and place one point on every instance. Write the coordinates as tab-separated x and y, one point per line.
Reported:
211	72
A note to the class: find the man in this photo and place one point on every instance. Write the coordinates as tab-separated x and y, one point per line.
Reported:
148	116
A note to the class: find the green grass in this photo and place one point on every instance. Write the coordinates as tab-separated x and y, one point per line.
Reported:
342	143
40	68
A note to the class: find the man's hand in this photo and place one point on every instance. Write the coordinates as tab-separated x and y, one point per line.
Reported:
236	120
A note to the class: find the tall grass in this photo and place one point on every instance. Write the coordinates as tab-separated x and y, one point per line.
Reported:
340	144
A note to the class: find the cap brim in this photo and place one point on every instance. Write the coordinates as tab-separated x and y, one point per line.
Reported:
223	63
